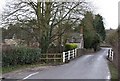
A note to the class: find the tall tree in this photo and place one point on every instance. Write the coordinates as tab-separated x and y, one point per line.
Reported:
91	38
44	17
99	26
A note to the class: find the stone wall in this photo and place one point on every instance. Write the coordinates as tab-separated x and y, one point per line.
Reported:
81	52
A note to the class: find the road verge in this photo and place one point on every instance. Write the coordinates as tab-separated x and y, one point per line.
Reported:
113	71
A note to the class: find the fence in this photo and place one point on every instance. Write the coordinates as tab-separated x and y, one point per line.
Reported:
51	58
110	54
58	57
67	56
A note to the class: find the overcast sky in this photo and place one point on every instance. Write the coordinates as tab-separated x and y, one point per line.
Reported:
107	8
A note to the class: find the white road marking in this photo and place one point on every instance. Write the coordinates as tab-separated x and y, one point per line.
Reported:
108	77
30	75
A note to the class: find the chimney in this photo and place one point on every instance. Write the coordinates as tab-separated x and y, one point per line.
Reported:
81	30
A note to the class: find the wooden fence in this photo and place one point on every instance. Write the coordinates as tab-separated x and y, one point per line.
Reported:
58	57
51	58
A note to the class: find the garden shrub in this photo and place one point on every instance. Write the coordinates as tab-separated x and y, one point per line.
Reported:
20	55
70	46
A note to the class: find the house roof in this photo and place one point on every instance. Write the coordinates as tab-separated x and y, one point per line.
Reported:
75	35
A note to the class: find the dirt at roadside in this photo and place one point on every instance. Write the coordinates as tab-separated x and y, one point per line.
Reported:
24	72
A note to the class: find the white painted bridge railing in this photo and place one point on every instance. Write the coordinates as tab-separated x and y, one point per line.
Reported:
110	54
67	56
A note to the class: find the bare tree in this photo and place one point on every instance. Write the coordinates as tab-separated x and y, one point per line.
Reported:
45	18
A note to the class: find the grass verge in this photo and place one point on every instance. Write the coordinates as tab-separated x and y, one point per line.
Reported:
20	67
113	71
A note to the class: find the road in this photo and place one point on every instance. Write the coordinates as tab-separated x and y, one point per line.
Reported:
93	66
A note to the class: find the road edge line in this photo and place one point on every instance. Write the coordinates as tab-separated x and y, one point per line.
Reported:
30	75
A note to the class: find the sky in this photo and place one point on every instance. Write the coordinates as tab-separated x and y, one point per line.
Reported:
2	4
108	9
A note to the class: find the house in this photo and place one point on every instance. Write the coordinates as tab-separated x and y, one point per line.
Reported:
76	38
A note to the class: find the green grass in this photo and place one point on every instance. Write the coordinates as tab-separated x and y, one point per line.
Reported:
113	71
20	67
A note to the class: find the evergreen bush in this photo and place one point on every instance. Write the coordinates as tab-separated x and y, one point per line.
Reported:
70	46
20	55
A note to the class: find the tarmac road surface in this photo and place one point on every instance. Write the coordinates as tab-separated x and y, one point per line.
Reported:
93	66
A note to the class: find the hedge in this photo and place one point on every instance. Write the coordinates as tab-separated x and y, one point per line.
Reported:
20	55
70	46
